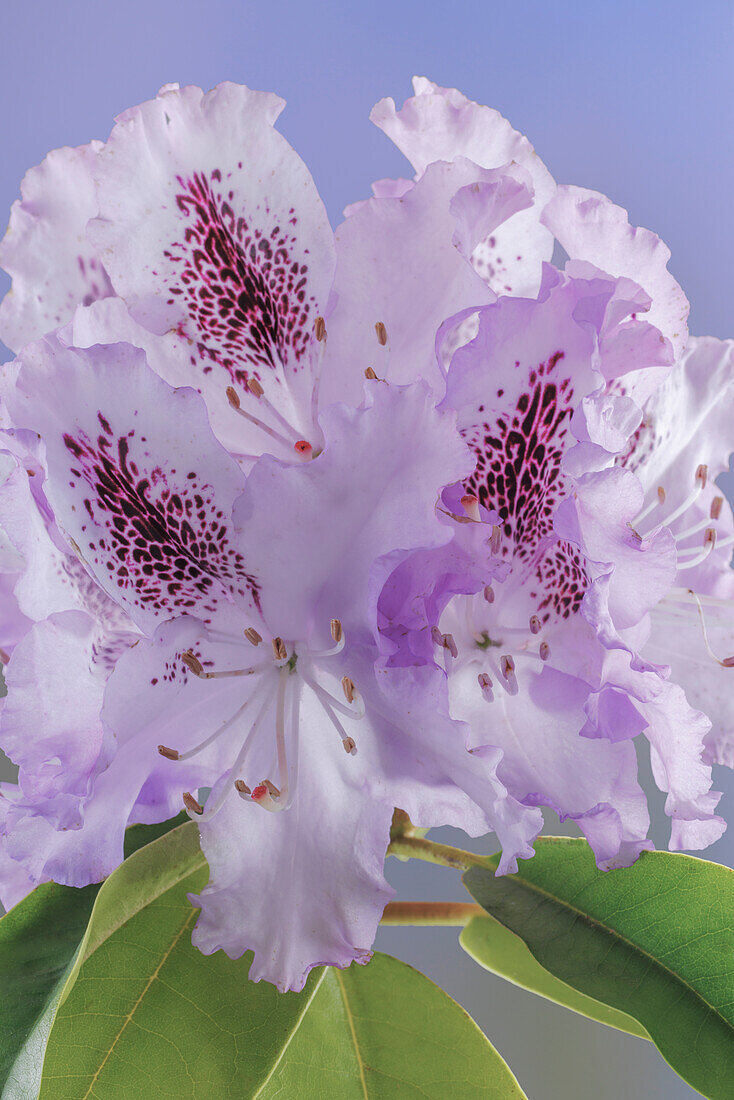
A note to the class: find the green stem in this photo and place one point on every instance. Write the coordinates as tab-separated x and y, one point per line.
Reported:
413	847
454	914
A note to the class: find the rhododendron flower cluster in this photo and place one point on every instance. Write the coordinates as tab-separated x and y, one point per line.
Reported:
300	526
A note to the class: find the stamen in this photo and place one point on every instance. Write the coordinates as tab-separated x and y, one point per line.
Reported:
235	403
708	544
279	649
495	539
241	787
693	530
319	331
507	667
651	506
280	735
534	624
544	651
356	711
371	376
485	683
272	789
436	636
381	332
350	745
252	636
213	807
328	705
489	593
170	754
194	665
725	662
699	484
254	387
348	688
191	804
450	644
339	637
716	505
221	728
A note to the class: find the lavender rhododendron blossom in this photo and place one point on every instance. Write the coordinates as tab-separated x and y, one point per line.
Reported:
325	524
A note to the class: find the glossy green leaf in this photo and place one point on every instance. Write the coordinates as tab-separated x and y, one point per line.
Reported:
655	941
143	1013
39	942
503	953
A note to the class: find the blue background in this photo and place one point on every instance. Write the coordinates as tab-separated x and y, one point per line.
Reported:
631	98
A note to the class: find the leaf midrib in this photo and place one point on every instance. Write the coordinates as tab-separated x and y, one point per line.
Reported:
636	948
131	1013
353	1032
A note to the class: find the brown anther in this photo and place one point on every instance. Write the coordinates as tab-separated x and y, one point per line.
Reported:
495	539
279	649
241	786
450	644
4	657
252	636
348	689
702	473
233	397
661	494
709	536
370	374
484	681
170	754
716	506
271	788
254	387
336	630
489	593
534	624
319	329
728	662
381	333
191	804
507	665
192	663
350	745
31	473
544	651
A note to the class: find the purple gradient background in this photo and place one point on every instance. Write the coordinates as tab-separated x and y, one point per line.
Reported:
635	99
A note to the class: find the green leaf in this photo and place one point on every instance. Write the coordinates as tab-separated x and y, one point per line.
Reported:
503	953
39	941
655	941
382	1031
144	1013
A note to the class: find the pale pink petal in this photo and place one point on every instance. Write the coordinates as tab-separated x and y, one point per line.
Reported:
591	228
45	250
